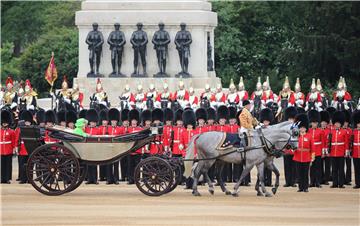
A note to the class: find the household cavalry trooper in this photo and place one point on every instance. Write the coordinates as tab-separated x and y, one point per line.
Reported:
338	143
208	95
77	97
103	130
10	96
139	98
112	170
134	157
93	118
318	141
193	99
201	118
299	96
341	97
232	98
164	99
268	95
127	98
356	147
243	94
152	95
313	99
286	97
29	96
177	149
156	146
7	144
168	130
220	96
100	95
181	95
266	118
256	97
65	92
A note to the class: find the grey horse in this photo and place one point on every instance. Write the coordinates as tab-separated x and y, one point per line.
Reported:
275	137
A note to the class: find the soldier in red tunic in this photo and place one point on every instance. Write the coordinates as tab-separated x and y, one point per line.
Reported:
146	123
156	147
222	117
7	145
40	118
135	157
325	161
50	120
356	147
233	127
125	123
211	126
178	131
338	143
318	140
103	130
304	154
168	129
93	118
348	130
201	117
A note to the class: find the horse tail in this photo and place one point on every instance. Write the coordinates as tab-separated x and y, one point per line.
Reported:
190	154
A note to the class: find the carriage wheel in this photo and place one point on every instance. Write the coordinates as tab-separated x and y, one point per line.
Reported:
83	172
53	169
154	176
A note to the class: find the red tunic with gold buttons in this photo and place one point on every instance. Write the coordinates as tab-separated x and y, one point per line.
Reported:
356	144
167	135
103	130
318	140
201	129
339	142
135	129
115	130
211	128
185	138
7	141
178	132
304	150
222	128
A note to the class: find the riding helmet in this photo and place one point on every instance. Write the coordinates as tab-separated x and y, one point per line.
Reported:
169	115
290	113
157	114
92	115
266	115
201	114
189	118
71	117
325	116
356	118
303	120
133	115
222	112
232	112
339	117
314	116
26	116
114	114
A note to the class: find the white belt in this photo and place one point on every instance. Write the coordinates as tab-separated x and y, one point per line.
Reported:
337	143
356	144
5	142
50	142
176	141
317	143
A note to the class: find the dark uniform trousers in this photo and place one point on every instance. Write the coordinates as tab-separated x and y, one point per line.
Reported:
289	170
22	160
338	174
133	161
356	162
303	172
92	174
6	168
102	172
348	170
326	170
124	168
112	172
315	171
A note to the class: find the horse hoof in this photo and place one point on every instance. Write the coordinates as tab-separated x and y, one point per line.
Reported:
196	193
274	190
268	194
235	194
211	192
259	194
227	193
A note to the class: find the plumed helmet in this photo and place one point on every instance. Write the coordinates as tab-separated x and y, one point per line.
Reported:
50	116
325	116
356	118
40	116
103	115
125	115
145	116
266	115
201	113
211	113
61	116
26	116
189	118
222	112
157	114
92	115
290	113
71	117
339	117
133	115
6	117
347	115
169	115
232	112
303	120
114	114
314	116
82	113
178	115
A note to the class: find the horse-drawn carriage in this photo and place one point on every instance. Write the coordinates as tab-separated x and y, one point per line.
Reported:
61	167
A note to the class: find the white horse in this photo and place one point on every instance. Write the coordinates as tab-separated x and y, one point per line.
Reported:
265	144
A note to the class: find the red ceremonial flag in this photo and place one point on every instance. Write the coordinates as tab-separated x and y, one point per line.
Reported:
51	72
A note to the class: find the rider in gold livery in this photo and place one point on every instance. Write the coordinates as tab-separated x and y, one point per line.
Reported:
10	95
29	96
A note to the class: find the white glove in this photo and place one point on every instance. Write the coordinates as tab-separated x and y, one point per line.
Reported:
16	151
326	151
347	153
181	147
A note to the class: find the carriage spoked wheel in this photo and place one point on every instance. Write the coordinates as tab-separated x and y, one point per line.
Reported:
83	172
154	176
53	169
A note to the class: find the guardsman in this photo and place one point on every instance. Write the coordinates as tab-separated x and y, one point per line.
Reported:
61	118
356	147
135	157
181	95
222	118
220	96
201	118
318	140
338	142
211	120
313	99
286	97
93	118
233	127
208	95
243	94
304	154
50	121
348	130
77	97
7	144
10	95
232	98
103	130
125	123
299	96
112	170
168	130
157	117
268	95
100	95
127	98
189	120
139	98
71	118
29	96
146	124
152	95
164	99
341	97
256	97
325	161
177	150
289	164
193	99
40	118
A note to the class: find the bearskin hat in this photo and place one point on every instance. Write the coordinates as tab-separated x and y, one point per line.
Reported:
347	116
133	115
125	115
245	102
303	120
339	117
145	116
103	115
314	116
26	116
325	116
71	117
232	112
189	118
157	114
266	115
211	113
6	117
356	118
178	115
201	113
50	116
222	112
40	116
114	114
300	110
331	111
290	113
61	116
82	113
169	115
92	115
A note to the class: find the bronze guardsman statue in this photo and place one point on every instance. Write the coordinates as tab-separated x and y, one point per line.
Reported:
116	41
161	41
139	40
182	41
95	41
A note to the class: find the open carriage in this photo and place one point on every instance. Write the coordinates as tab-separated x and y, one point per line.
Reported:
61	167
